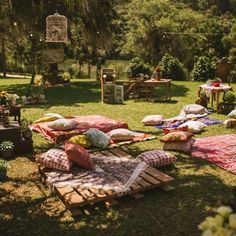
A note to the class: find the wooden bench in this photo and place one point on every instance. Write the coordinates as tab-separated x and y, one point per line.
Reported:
74	198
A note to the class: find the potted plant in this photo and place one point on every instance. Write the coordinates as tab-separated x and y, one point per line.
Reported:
216	82
3	169
24	128
7	149
203	99
228	103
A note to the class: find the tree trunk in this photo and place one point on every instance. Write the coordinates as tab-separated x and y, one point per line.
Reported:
4	64
89	69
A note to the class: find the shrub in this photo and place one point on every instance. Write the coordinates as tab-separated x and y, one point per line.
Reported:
136	67
171	68
74	70
229	98
204	69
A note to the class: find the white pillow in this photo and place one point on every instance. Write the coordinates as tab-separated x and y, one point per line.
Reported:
232	114
121	134
53	115
194	126
152	120
194	109
62	124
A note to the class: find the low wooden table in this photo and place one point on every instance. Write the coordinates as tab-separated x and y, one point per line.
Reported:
214	92
152	83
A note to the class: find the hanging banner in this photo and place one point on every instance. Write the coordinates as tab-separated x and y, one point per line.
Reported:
52	56
56	28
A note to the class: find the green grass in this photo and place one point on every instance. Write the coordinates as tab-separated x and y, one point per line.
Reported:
28	208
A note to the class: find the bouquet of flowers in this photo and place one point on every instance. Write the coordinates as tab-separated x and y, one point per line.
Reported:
222	224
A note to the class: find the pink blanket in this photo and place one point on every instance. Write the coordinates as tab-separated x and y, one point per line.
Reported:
220	150
84	122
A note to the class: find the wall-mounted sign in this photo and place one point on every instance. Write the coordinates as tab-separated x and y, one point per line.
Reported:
51	56
56	28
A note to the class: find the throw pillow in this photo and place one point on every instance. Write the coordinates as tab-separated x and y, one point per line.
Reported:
58	116
177	136
194	109
78	155
232	114
157	158
55	159
194	126
45	119
152	120
121	135
179	146
171	130
80	139
62	124
98	138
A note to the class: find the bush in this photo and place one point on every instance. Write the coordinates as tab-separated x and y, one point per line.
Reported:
204	69
229	97
136	67
171	68
74	70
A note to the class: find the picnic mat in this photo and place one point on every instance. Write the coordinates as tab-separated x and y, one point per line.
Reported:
220	150
109	173
177	123
102	123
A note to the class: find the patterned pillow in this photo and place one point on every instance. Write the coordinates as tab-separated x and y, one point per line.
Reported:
194	126
179	146
194	109
98	138
232	114
157	158
62	124
171	130
121	134
80	139
152	120
78	155
177	136
55	159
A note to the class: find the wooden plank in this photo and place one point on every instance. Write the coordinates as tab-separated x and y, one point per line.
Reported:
86	194
144	183
120	153
98	193
149	179
158	174
69	196
107	153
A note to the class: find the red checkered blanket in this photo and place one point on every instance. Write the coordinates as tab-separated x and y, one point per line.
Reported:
220	150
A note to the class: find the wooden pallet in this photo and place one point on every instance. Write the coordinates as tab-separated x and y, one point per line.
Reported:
74	198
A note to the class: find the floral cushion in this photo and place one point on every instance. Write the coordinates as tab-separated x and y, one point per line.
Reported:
157	158
78	155
179	146
177	136
194	126
232	114
62	124
55	159
80	139
171	130
152	120
98	138
121	134
194	109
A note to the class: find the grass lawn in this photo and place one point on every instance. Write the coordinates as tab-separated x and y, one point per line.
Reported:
28	208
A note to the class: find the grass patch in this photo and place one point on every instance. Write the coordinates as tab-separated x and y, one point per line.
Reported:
28	208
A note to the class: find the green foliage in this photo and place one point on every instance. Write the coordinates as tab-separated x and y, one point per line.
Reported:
24	124
136	67
3	165
66	76
204	69
229	98
6	145
203	96
74	70
171	68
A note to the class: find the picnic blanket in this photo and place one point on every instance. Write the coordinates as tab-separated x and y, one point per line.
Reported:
220	150
102	123
109	173
177	123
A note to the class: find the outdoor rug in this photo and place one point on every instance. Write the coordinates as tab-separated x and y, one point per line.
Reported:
109	173
177	123
220	150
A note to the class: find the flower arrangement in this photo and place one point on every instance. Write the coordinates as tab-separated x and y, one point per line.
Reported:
222	224
5	96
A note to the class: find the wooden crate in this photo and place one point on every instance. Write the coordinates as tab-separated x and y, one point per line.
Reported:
74	198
